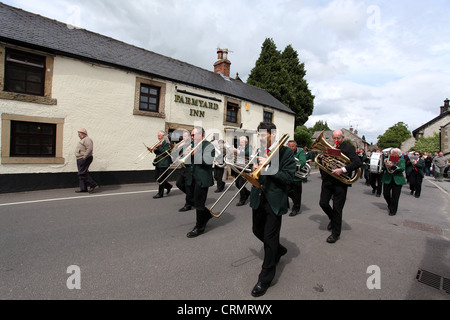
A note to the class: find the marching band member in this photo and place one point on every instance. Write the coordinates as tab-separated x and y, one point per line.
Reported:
243	152
219	166
375	178
269	204
334	189
295	192
181	150
393	180
416	174
162	162
200	178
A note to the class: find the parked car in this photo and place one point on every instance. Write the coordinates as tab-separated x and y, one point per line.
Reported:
447	171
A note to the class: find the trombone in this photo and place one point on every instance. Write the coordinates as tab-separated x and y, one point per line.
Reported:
160	157
253	177
180	162
247	167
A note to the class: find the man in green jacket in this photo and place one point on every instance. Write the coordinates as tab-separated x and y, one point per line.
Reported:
162	162
295	192
200	178
393	180
270	202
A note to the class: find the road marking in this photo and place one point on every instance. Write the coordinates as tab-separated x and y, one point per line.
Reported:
75	198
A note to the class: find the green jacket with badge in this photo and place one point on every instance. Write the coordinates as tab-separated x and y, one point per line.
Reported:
275	187
397	175
162	159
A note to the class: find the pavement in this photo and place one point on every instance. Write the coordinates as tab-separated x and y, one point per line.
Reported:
120	243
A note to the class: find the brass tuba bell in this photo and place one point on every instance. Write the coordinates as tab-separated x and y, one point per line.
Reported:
328	163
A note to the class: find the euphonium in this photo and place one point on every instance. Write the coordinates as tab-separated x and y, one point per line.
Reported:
328	163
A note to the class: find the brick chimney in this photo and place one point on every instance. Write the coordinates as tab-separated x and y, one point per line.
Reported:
445	107
223	65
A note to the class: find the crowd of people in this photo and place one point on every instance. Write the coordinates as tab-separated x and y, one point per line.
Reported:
278	172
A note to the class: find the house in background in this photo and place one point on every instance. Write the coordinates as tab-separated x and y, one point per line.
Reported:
440	124
56	79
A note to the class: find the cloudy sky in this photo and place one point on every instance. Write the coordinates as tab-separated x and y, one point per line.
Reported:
370	64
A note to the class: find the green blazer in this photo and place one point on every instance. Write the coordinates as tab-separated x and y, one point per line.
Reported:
201	170
275	188
160	154
301	161
397	175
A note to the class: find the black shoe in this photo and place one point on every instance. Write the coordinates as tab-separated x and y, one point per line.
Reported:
186	207
91	189
378	195
391	213
81	191
195	232
333	238
219	190
329	226
416	196
373	191
260	289
159	195
281	252
293	213
168	189
412	192
241	203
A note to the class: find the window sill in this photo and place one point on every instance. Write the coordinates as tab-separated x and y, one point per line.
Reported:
149	114
13	160
27	98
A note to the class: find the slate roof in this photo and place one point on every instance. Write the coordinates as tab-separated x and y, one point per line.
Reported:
34	31
429	123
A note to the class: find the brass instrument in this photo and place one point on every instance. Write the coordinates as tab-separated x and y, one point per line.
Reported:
249	177
328	163
163	155
180	162
303	172
247	167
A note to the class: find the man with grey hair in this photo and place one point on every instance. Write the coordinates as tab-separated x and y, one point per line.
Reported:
440	162
393	180
335	190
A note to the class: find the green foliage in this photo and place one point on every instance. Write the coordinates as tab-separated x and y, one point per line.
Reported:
394	136
319	126
303	137
430	144
282	75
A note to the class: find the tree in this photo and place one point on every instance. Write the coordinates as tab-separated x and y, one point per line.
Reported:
319	126
282	75
430	144
394	136
303	137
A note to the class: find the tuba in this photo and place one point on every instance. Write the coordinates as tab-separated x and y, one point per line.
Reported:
328	163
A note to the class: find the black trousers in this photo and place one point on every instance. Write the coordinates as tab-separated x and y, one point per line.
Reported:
199	196
267	227
295	193
391	193
375	182
415	183
244	193
337	191
84	177
218	176
181	184
160	175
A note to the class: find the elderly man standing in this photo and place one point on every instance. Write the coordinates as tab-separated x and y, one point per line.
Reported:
84	155
440	162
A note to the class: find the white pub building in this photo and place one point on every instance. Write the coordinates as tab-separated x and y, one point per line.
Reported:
56	79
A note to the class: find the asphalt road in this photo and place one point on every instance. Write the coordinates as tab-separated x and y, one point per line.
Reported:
120	243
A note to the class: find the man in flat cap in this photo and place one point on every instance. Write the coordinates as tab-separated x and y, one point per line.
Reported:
84	155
